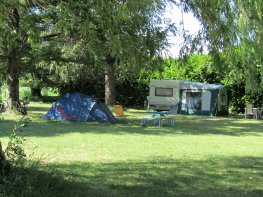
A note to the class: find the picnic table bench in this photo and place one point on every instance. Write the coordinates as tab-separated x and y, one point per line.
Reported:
158	118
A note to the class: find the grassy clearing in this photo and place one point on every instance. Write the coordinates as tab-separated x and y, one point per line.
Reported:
200	156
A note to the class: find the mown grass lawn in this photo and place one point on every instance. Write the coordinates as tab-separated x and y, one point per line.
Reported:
199	156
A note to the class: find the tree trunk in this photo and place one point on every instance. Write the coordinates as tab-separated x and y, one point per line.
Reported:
36	92
12	68
12	79
110	85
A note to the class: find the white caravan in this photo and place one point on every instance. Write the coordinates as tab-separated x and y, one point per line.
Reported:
187	97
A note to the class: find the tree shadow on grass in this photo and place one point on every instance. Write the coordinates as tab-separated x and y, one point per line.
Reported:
238	176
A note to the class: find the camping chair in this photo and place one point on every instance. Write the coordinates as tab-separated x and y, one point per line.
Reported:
64	116
20	107
250	111
260	112
119	111
2	107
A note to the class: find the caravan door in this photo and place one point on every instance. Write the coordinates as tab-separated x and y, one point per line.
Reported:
196	101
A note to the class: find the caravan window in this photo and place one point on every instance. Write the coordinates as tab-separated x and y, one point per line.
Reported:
164	92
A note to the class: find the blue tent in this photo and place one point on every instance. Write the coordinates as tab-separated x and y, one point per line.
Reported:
80	108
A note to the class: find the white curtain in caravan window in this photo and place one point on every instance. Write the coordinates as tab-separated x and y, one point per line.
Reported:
166	92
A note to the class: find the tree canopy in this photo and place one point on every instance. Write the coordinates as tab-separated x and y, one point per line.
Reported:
111	36
118	35
65	41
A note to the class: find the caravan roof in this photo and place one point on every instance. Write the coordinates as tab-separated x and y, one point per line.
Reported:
184	84
197	85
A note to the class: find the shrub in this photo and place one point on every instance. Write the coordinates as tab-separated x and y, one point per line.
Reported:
22	176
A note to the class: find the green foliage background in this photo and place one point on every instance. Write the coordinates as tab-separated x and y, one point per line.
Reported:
133	88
